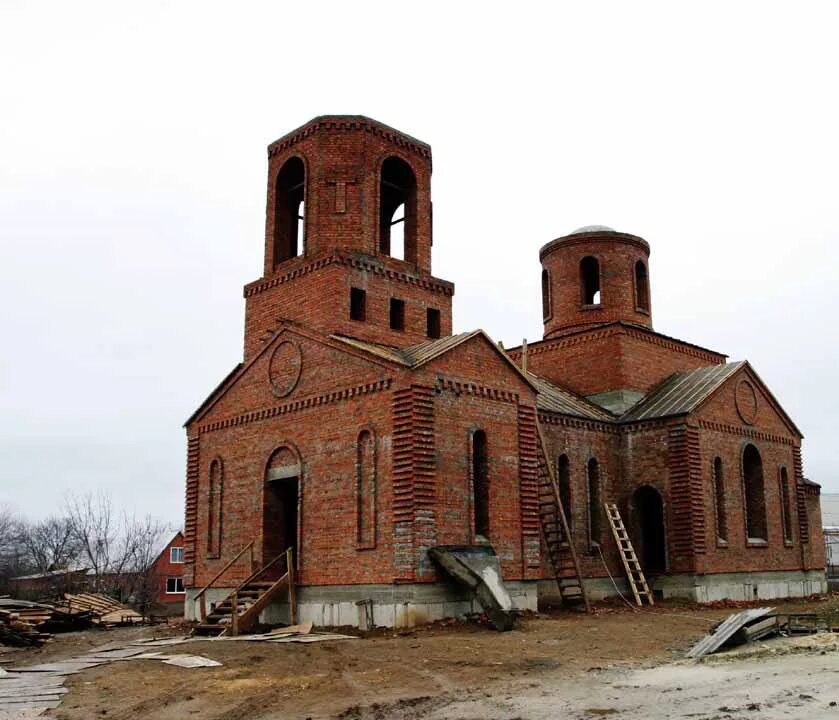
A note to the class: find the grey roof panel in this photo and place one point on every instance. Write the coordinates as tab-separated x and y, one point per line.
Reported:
681	393
553	398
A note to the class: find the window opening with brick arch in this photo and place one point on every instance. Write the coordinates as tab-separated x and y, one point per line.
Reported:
358	304
397	314
563	476
648	523
398	210
546	295
755	497
786	506
642	287
281	504
432	318
289	211
594	502
480	483
366	489
214	498
719	500
590	280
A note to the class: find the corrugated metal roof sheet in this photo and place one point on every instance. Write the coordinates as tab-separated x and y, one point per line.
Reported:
553	398
681	393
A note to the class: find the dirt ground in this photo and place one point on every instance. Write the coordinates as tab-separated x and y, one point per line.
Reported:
615	663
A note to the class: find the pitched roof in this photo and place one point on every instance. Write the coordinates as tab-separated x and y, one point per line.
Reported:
681	393
413	355
556	399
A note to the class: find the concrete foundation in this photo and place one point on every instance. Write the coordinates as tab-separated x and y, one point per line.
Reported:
742	586
706	588
365	606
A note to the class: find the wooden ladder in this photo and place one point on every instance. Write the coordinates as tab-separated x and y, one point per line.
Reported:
631	565
557	536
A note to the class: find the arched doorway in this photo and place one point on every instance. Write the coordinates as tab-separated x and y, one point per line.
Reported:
648	512
281	504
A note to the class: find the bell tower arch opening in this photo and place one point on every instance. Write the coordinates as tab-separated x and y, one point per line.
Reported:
289	211
590	280
398	210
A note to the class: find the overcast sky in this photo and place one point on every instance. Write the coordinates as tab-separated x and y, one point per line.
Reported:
132	193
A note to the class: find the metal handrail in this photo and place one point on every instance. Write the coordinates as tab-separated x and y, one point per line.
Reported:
200	596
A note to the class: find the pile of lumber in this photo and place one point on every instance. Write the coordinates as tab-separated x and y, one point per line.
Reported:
104	610
21	622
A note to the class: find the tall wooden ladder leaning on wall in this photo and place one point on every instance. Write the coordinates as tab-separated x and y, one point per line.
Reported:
634	573
557	536
240	610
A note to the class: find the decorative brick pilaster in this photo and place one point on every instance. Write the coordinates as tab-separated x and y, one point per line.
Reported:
529	491
414	467
191	510
687	526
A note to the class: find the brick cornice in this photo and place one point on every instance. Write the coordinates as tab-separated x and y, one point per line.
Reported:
746	432
349	122
464	387
618	328
368	265
297	405
608	237
551	418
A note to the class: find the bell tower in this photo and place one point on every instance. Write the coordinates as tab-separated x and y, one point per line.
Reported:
348	236
594	276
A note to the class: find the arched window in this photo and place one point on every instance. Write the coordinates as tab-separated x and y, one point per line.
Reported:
398	210
590	280
563	477
546	295
719	501
480	483
214	496
786	507
366	489
289	211
754	493
642	287
594	509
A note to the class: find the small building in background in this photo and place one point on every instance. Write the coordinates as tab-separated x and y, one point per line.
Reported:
830	524
167	576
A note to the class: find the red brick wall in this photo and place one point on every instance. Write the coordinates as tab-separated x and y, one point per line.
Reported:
316	291
613	357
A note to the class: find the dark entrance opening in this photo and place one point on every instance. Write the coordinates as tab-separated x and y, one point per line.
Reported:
649	527
279	520
480	483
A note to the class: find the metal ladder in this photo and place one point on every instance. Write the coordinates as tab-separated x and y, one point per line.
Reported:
634	573
556	533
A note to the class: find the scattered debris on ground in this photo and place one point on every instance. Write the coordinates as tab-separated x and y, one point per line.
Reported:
30	690
105	610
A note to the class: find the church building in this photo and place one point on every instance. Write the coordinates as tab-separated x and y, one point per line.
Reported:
359	432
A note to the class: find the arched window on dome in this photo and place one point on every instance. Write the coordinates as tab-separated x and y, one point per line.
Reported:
754	495
590	280
546	295
398	210
289	211
642	287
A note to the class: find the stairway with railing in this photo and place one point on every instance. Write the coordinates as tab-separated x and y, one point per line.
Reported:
240	609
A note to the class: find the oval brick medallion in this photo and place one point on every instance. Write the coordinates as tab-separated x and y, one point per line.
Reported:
284	368
745	399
